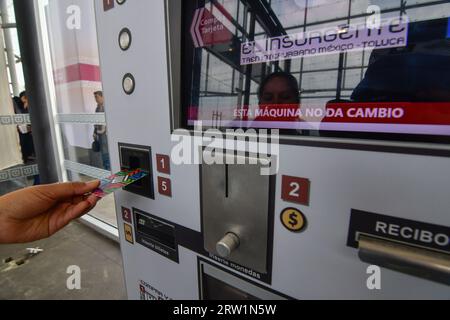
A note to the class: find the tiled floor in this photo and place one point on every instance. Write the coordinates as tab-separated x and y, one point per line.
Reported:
45	275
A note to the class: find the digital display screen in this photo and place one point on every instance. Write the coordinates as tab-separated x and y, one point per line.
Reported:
335	68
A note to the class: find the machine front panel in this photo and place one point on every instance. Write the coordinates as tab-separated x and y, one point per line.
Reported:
342	187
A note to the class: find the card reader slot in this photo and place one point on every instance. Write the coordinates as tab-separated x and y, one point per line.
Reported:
138	157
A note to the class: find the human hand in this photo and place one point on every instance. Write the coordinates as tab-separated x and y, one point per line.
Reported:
39	212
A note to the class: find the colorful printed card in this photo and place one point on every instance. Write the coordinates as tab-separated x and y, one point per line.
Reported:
118	181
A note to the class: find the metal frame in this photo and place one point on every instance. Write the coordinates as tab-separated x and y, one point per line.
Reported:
86	170
173	9
84	118
102	227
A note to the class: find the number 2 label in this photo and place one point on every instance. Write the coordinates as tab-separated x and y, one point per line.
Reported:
295	190
126	215
295	187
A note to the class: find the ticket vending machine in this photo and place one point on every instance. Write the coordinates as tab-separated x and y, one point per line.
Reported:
294	149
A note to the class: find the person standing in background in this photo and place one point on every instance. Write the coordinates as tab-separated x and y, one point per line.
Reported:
27	137
19	109
100	132
21	106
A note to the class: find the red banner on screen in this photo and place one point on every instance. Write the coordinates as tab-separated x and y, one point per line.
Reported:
408	113
285	112
420	113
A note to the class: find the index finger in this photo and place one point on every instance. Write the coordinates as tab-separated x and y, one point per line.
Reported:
69	189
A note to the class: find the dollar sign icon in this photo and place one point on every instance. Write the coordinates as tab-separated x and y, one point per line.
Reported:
293	220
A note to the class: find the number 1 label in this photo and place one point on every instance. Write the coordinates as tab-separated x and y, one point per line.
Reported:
163	164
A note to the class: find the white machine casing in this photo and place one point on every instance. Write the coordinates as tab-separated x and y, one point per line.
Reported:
345	175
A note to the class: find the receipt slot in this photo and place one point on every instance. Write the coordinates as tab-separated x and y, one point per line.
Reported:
235	208
411	260
412	247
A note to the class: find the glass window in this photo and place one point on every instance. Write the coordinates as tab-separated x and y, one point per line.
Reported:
77	144
319	81
18	168
79	101
431	12
360	6
324	10
327	57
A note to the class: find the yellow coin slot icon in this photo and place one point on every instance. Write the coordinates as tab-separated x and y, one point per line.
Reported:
129	233
293	220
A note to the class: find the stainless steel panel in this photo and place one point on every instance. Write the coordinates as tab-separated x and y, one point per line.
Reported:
238	204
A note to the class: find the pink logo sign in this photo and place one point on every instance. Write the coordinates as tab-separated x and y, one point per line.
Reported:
207	30
108	5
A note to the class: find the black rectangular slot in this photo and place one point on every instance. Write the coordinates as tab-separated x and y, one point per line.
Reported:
138	157
156	234
156	231
216	290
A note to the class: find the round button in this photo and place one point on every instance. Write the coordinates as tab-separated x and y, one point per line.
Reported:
293	220
128	83
227	245
125	39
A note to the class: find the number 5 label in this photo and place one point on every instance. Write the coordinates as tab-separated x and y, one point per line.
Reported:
165	187
295	190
